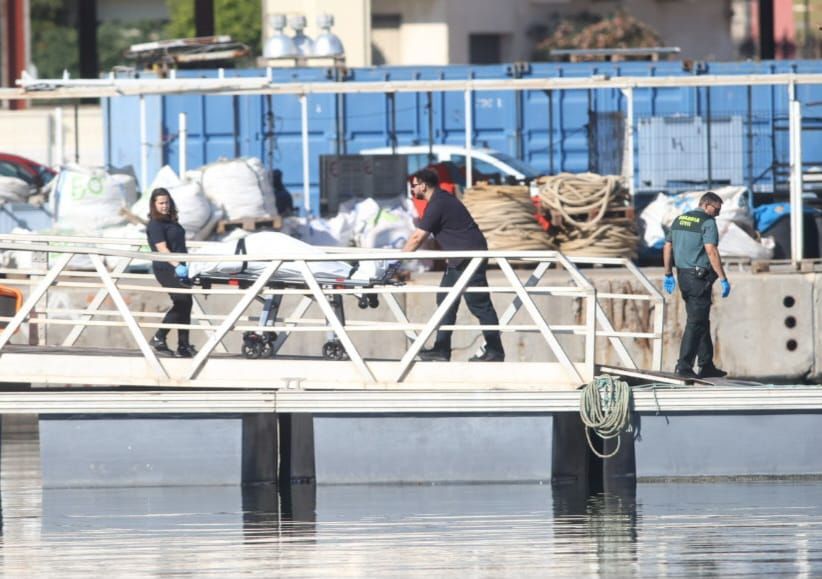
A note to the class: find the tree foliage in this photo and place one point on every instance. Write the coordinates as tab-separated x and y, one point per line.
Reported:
587	30
242	20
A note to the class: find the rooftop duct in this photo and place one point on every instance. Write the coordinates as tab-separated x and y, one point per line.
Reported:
327	43
303	43
279	45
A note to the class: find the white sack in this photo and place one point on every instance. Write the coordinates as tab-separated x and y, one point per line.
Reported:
193	207
661	213
733	241
88	199
15	190
278	244
240	187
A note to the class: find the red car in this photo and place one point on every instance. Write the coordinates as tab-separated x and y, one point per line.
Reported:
29	171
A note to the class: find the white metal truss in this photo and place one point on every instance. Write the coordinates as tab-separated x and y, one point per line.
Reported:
70	363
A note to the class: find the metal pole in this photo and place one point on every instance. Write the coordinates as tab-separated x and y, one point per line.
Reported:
708	135
143	145
551	132
750	142
797	229
59	135
182	128
392	122
628	151
304	130
469	125
77	133
430	106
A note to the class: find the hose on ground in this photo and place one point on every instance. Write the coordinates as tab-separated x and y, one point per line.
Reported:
605	408
591	214
505	215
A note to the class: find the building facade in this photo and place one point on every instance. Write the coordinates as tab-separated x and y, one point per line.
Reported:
440	32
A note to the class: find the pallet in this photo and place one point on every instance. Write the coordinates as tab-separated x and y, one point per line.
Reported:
803	266
250	224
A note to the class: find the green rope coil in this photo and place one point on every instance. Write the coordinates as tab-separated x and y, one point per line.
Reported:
605	408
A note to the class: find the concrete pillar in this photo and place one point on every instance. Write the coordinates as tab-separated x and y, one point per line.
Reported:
299	501
297	463
570	455
573	462
21	476
259	453
619	471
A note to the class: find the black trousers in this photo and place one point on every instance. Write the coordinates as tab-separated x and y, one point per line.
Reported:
696	340
478	303
180	312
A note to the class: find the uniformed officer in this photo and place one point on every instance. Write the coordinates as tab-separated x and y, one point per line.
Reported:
692	242
454	229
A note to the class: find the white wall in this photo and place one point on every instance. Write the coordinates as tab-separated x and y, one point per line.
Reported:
32	133
438	31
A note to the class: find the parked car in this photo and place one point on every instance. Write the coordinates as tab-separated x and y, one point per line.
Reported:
486	164
31	172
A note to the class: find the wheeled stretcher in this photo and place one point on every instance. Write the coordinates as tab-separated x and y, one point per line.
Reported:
329	275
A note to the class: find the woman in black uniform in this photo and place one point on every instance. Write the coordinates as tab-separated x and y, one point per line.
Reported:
166	235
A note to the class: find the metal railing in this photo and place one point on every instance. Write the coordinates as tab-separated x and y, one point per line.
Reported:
107	270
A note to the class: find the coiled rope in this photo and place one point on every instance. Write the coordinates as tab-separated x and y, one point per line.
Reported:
505	215
594	211
605	408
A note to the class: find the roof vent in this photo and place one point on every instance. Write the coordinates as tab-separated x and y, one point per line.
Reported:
327	43
279	45
303	43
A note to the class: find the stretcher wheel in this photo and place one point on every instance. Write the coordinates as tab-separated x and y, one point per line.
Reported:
252	351
363	302
267	350
334	350
253	345
373	301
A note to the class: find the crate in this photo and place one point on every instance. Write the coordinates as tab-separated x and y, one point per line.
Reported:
250	224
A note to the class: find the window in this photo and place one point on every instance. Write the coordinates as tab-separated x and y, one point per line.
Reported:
485	49
480	170
386	45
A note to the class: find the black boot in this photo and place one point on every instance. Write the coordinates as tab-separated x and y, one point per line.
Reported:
158	342
186	351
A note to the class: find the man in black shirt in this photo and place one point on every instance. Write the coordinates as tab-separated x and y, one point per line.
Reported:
447	219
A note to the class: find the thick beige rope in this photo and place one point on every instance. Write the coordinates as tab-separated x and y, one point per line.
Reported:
505	215
593	212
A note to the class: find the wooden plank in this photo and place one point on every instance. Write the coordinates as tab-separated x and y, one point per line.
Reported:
250	224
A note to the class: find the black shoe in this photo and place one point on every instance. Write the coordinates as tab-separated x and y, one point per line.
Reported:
489	356
434	355
711	371
686	373
159	345
187	351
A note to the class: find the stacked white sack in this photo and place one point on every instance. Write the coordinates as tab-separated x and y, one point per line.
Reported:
193	207
89	199
239	186
15	190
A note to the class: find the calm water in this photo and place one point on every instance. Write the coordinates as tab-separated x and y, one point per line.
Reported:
477	530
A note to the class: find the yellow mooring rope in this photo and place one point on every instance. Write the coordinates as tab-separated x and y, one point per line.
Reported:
605	408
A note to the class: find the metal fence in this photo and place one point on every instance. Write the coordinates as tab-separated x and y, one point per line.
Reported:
564	352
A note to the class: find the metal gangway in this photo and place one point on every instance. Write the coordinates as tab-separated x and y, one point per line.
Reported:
91	304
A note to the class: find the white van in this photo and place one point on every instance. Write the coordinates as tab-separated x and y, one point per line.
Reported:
492	166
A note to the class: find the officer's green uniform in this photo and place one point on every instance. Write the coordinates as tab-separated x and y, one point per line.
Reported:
688	235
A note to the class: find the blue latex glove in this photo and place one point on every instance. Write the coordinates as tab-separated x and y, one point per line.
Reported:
669	284
181	271
726	287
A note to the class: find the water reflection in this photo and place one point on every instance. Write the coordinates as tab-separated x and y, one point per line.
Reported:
454	530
